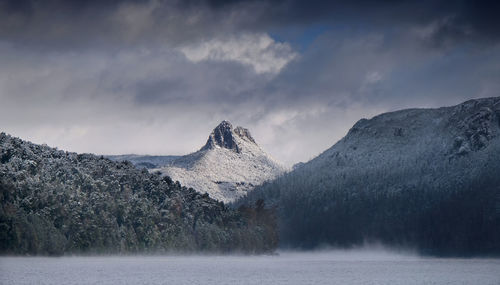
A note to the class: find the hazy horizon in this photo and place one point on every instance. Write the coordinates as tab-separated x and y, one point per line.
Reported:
325	267
203	141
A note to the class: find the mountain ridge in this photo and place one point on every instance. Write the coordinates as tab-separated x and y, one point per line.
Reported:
228	166
425	179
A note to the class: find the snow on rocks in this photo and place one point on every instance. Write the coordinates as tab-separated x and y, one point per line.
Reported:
227	167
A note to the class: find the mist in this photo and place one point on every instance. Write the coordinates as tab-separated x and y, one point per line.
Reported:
357	266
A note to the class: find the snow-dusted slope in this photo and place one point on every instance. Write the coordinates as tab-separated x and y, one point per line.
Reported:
447	133
227	167
423	178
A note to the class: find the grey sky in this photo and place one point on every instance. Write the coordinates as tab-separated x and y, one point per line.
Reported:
154	77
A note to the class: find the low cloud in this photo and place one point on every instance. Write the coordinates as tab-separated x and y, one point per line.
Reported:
260	51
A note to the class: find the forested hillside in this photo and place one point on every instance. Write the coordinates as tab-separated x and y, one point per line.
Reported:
57	202
421	178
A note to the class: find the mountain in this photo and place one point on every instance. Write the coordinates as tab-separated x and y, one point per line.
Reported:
227	167
144	161
419	178
57	202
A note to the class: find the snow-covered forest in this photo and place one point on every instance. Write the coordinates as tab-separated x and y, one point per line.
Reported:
425	179
56	202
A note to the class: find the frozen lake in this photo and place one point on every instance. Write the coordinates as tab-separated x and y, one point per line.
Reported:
332	267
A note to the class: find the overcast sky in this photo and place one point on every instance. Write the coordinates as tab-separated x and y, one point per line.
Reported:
155	77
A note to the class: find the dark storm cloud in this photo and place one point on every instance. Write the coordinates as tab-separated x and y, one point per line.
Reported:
378	69
96	23
109	23
454	20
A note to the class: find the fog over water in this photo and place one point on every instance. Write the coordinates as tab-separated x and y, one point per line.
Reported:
325	267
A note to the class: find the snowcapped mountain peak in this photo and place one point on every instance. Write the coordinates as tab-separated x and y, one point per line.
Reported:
225	136
229	165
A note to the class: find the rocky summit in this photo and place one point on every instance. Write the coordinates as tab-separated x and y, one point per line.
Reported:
227	167
225	136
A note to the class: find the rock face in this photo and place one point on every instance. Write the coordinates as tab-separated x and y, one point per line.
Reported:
227	167
476	129
225	137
